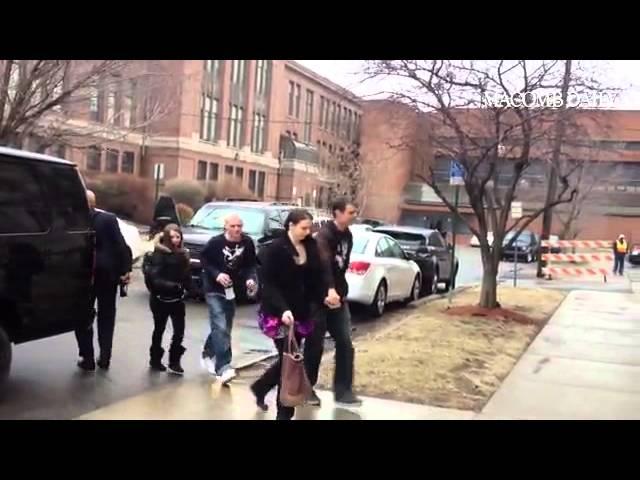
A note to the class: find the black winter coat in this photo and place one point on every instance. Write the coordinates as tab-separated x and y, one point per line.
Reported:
168	276
287	286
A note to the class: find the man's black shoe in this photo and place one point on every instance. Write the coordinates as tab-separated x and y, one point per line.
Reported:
104	365
87	364
176	368
348	399
314	399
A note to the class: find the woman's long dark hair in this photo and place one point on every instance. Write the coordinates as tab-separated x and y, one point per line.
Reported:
296	216
166	236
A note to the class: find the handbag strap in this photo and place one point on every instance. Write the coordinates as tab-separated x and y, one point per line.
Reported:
292	342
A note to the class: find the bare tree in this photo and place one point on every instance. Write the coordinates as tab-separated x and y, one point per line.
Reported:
482	115
55	100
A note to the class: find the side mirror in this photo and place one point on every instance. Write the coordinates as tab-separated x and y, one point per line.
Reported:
425	251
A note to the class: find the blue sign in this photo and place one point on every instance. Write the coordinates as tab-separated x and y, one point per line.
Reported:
456	173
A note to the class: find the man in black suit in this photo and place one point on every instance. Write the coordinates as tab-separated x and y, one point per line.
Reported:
112	267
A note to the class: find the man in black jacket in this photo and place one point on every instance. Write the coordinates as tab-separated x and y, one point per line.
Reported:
228	262
112	267
335	243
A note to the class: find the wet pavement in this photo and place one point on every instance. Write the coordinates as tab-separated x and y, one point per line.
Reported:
584	364
206	400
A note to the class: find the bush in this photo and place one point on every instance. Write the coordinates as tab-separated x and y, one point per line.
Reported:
227	189
127	197
188	192
185	213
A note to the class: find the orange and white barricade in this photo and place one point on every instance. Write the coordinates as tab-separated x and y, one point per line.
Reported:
579	264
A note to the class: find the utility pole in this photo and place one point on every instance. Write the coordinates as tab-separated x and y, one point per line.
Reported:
560	127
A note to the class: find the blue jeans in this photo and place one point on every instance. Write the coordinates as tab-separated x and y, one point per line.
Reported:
618	266
218	343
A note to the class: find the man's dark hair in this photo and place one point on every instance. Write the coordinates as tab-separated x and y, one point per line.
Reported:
296	216
340	204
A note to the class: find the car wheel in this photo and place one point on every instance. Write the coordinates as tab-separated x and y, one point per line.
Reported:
379	300
416	291
5	355
433	287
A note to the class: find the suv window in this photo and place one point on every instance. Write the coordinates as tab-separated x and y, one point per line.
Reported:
276	218
212	218
23	203
394	249
435	240
68	199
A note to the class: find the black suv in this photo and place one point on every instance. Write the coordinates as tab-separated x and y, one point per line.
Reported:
429	250
46	250
526	247
262	221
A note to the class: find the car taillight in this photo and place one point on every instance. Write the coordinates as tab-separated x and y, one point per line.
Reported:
359	268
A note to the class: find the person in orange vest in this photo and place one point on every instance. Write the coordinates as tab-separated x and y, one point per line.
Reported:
620	250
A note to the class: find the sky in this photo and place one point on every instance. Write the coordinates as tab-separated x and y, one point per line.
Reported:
621	73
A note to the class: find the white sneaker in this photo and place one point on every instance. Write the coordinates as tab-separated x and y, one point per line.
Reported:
208	364
227	376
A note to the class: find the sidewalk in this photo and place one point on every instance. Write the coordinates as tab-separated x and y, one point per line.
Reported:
203	400
585	364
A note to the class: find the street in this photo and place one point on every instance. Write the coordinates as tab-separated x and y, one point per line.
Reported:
46	384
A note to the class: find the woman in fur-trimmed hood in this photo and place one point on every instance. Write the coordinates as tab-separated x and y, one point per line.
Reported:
168	278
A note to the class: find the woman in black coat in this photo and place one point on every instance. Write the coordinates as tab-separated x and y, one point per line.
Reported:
168	278
292	288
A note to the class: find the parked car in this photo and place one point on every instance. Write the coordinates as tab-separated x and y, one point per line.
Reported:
47	250
263	222
380	273
634	254
360	227
370	221
429	250
475	242
526	245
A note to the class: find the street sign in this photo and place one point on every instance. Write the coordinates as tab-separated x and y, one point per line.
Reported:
516	210
456	174
158	171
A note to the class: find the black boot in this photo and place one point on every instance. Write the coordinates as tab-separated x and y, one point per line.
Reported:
155	361
175	354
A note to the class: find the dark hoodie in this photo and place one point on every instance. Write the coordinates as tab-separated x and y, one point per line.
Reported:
168	276
335	248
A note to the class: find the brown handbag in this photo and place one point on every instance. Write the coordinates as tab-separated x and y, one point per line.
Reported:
295	388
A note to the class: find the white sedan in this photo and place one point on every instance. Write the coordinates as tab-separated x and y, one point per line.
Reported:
379	272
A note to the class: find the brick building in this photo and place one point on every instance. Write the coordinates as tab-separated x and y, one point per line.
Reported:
272	126
397	152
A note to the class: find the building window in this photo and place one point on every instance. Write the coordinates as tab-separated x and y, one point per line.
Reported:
240	173
343	133
252	180
257	139
235	126
213	172
94	159
321	122
228	170
262	76
94	105
298	95
208	118
111	107
262	178
333	118
238	71
113	157
356	126
338	115
292	88
127	104
349	121
308	117
201	174
212	66
128	162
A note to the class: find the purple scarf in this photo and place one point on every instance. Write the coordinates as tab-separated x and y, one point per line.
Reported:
273	327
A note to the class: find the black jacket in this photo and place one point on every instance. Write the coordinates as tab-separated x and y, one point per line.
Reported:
113	257
335	250
168	275
288	286
240	264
